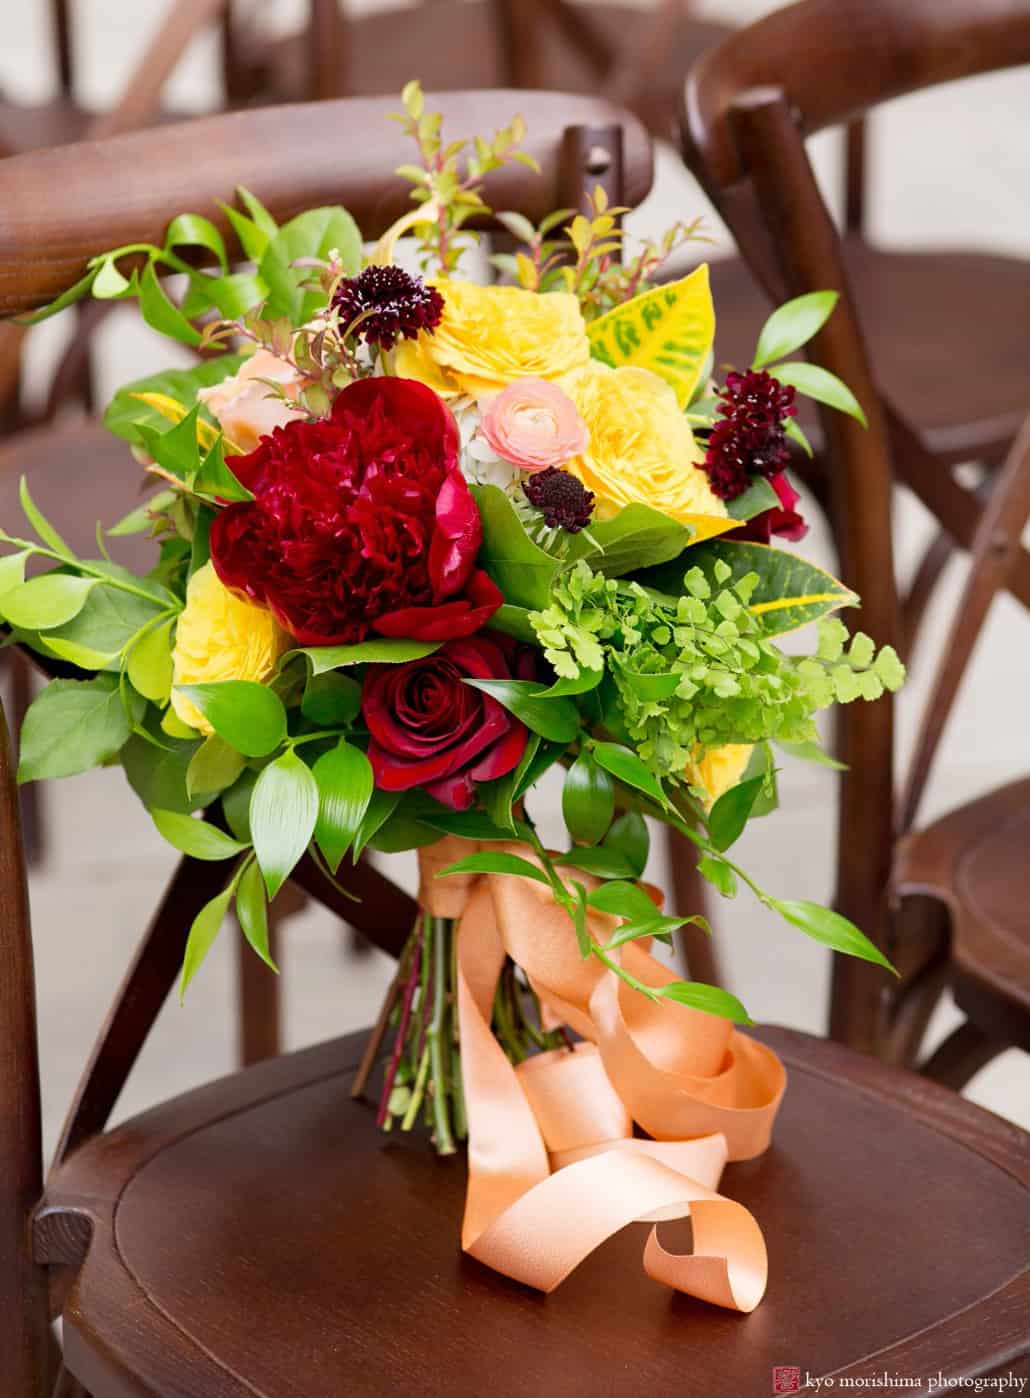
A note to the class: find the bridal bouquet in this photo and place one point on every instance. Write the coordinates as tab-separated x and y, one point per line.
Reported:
417	541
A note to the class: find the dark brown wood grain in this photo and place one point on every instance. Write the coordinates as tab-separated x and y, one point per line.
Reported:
291	157
23	1300
212	1275
901	323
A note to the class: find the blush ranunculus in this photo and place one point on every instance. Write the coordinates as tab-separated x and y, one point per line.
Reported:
360	522
534	424
429	729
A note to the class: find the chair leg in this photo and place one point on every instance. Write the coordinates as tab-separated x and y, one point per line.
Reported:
67	1386
30	795
912	1013
260	1007
691	897
961	1056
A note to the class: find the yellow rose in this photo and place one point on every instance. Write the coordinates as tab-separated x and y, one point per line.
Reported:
220	637
491	335
641	447
719	769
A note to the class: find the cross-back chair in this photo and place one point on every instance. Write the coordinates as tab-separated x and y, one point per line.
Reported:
636	57
259	1236
61	120
750	106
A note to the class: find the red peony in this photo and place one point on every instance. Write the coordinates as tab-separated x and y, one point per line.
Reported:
431	730
361	522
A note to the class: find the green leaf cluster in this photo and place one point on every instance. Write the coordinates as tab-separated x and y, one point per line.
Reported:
788	328
696	671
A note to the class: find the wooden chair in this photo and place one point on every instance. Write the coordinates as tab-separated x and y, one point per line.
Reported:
749	107
27	128
972	861
635	57
259	1236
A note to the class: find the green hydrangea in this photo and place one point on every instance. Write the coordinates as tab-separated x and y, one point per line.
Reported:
689	673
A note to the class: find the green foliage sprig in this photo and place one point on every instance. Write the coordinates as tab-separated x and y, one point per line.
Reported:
452	176
596	273
698	671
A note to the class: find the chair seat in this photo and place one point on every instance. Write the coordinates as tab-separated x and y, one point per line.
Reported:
968	859
454	44
962	407
262	1237
78	474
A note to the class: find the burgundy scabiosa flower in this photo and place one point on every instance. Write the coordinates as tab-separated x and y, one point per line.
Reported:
429	729
562	498
360	522
749	437
391	304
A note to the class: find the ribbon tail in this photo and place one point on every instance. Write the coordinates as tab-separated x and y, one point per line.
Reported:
542	1237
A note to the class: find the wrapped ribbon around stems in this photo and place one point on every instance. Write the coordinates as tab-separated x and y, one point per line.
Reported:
554	1167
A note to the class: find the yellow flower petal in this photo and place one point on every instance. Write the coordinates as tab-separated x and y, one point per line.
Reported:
220	636
641	447
489	336
719	769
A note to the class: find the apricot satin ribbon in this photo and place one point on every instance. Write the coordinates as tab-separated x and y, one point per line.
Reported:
554	1168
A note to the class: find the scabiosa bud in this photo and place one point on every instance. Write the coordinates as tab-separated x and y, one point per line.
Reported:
749	438
391	304
563	499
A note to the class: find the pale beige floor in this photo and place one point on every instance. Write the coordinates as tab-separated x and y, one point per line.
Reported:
949	168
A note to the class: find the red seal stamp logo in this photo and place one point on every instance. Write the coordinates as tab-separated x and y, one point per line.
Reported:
786	1379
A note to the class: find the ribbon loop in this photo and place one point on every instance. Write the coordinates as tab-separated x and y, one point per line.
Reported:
554	1167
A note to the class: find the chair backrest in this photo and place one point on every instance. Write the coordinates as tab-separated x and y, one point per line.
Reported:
125	190
293	157
136	106
749	106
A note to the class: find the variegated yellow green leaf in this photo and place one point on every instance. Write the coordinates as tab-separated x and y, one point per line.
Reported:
174	411
790	593
707	527
668	330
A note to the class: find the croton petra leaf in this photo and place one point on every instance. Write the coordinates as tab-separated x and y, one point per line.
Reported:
668	330
791	592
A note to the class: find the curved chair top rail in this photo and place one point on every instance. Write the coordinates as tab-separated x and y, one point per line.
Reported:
60	207
835	59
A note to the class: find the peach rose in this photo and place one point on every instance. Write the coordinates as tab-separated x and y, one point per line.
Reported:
534	424
245	408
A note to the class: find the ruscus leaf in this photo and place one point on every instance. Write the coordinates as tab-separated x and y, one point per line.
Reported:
197	838
792	325
283	813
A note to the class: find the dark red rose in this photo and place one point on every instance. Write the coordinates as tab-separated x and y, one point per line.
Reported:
431	730
362	522
785	522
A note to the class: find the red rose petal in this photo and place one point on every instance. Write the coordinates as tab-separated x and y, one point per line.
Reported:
430	729
457	792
